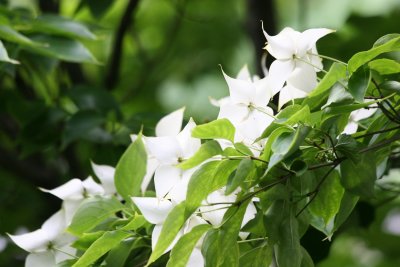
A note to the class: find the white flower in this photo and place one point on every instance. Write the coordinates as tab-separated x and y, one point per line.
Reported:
74	192
169	151
297	61
169	125
48	243
246	107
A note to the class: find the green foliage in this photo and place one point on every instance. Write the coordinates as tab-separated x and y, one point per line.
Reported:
131	169
221	128
302	172
92	212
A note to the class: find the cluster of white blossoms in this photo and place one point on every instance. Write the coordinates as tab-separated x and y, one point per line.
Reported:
293	74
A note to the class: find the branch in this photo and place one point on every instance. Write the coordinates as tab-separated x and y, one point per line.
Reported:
115	58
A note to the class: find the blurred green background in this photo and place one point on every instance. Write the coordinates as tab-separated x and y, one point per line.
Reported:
91	72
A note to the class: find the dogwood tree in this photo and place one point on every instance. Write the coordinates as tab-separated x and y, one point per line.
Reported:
243	189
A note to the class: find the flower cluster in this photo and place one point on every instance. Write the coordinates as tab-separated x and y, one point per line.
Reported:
247	108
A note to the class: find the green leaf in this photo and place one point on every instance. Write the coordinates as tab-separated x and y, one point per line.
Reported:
57	25
358	83
385	66
359	178
131	169
118	256
361	58
4	55
306	260
291	115
243	149
273	218
63	49
199	185
259	256
319	95
206	151
347	205
183	249
11	35
288	251
244	169
172	224
271	138
338	96
286	144
386	38
390	85
326	203
347	146
219	245
86	240
101	246
93	211
222	129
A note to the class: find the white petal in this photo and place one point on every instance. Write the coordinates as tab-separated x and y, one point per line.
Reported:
156	234
220	102
249	214
303	77
234	113
281	46
165	149
177	193
311	36
279	71
196	259
263	92
64	253
289	93
316	61
70	206
92	188
106	176
42	259
188	144
72	189
35	241
153	209
215	213
350	128
165	178
240	91
362	114
171	124
55	225
152	164
244	74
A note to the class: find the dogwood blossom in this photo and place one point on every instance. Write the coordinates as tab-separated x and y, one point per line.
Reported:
74	192
169	125
296	63
169	152
48	245
246	106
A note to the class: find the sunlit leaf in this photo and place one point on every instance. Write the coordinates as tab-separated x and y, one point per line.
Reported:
131	170
206	151
182	250
361	58
221	128
101	246
92	212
